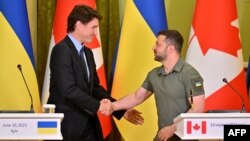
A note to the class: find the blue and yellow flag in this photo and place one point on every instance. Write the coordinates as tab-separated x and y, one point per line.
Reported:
47	127
143	19
16	48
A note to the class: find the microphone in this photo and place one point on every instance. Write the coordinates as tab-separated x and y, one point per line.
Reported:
242	100
31	99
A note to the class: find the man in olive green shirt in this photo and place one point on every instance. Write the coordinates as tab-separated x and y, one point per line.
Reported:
172	83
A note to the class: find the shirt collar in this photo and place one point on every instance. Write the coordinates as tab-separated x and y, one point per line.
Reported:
179	65
76	43
177	68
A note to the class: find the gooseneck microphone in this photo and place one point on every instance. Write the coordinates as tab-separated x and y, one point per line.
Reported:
31	99
242	100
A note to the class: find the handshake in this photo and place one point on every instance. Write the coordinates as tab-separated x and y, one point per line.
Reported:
106	107
131	115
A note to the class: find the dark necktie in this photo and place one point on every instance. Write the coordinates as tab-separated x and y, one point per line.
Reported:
84	60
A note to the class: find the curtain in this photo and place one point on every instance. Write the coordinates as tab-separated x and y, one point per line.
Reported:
45	15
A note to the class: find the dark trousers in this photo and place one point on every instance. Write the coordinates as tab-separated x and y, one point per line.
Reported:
89	134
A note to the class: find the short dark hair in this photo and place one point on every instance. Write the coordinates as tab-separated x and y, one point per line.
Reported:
174	37
83	14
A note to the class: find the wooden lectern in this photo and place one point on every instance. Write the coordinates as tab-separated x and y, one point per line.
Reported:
207	125
30	126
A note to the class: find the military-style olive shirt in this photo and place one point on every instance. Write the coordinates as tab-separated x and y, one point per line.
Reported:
172	90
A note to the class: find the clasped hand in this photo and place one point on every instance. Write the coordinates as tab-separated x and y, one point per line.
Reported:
105	107
131	115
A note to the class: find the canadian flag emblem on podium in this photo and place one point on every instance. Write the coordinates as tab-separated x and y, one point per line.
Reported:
196	127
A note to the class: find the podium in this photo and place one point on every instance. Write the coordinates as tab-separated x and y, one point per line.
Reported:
207	125
30	126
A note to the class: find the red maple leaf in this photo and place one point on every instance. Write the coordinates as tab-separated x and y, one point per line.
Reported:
196	127
213	26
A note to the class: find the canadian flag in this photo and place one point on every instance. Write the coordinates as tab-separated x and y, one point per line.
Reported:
196	127
215	51
63	8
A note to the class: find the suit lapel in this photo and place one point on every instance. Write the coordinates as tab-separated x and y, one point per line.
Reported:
77	57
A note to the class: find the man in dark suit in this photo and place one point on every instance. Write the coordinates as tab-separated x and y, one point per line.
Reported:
74	84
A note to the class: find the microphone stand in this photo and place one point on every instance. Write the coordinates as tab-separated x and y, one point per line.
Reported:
31	99
242	100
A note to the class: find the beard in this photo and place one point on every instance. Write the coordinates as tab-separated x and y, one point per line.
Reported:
160	57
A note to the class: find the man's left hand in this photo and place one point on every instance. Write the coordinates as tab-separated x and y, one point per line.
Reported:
134	117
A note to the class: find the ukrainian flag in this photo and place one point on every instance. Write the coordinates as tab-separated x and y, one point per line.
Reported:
16	48
46	127
143	19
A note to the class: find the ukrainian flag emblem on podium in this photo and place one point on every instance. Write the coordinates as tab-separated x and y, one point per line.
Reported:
47	127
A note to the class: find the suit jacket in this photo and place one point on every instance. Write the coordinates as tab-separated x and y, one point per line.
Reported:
71	91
